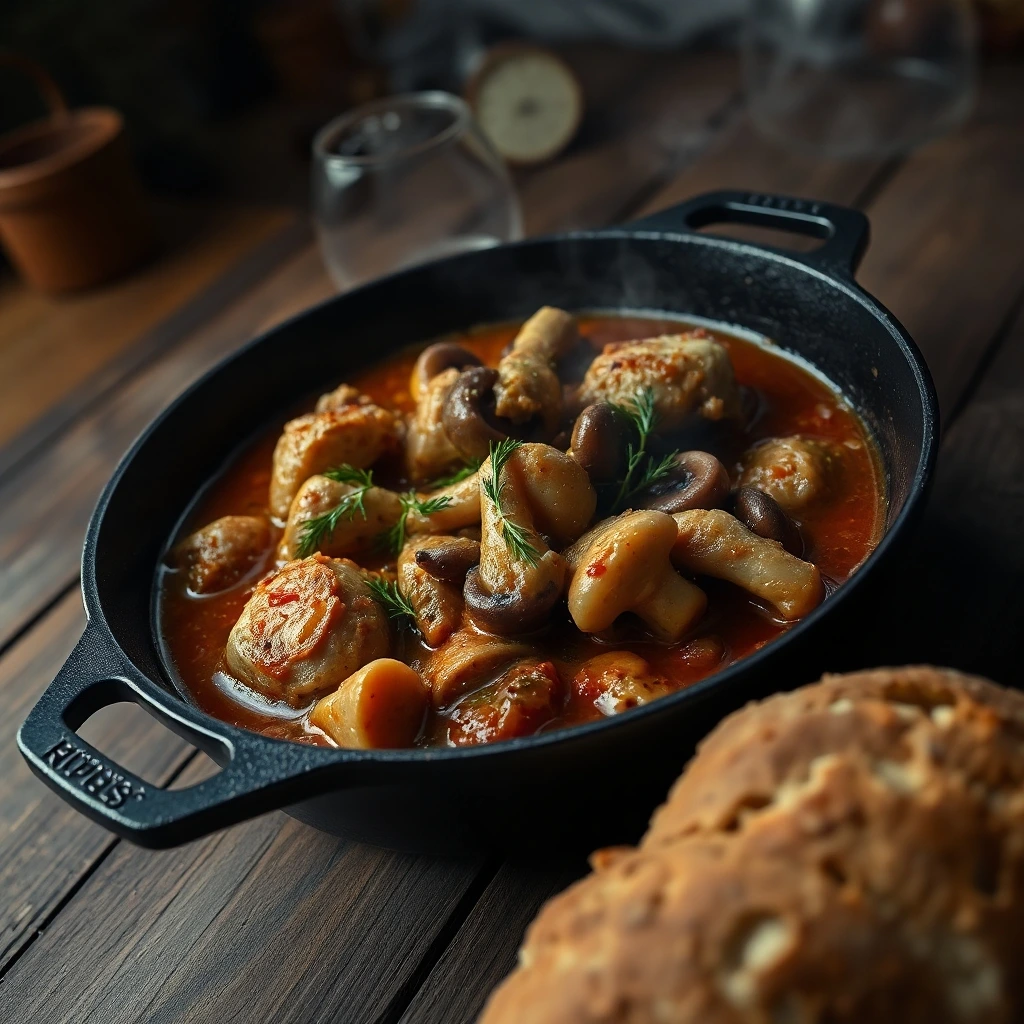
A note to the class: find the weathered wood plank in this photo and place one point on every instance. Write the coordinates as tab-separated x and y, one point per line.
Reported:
484	950
46	848
56	355
947	256
269	914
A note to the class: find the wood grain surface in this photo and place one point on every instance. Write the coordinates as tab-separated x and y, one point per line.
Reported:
271	920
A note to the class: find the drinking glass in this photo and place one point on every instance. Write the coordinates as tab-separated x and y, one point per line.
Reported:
856	78
407	179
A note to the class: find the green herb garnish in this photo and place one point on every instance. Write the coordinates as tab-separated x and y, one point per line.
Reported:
321	527
395	604
641	414
393	540
516	537
457	477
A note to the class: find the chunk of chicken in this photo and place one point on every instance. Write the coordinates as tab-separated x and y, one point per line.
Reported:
438	604
527	385
515	585
306	629
428	452
341	397
525	697
795	471
356	530
687	374
355	434
467	661
462	510
713	543
617	681
222	552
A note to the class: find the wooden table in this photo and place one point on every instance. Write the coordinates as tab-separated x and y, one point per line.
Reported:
274	921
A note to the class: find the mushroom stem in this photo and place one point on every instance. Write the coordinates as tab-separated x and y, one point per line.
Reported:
671	605
711	542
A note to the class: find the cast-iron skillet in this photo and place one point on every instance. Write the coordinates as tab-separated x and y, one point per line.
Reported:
592	783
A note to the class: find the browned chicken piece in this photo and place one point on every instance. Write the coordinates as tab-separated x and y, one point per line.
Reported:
438	604
306	629
461	512
711	542
617	681
543	491
525	697
356	434
688	374
468	660
222	552
380	706
356	530
795	471
428	452
341	397
527	385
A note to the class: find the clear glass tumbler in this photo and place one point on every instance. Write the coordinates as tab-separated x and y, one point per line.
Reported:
856	78
404	180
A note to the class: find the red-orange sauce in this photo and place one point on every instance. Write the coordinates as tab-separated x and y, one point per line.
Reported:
839	532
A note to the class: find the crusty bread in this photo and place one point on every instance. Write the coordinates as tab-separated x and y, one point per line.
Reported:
851	851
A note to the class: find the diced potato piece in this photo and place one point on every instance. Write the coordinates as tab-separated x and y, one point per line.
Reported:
381	705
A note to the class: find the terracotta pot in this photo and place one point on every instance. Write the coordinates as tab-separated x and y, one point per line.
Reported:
72	213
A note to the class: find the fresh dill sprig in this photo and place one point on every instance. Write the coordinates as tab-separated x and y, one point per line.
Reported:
471	466
641	414
395	604
655	471
393	540
321	527
516	537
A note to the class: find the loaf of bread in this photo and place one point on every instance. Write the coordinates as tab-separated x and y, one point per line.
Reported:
851	851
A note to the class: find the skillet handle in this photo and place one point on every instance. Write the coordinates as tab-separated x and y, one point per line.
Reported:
94	677
845	231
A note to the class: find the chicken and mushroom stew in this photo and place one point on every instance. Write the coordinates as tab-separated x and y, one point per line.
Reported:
517	529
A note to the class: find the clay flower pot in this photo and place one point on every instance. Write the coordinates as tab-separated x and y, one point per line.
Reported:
72	213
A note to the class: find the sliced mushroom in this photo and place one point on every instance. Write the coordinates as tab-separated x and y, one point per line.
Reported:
528	387
438	605
713	543
795	471
696	480
382	705
622	565
687	374
467	661
306	629
617	681
222	552
469	419
599	440
462	511
355	434
762	514
517	704
544	491
354	532
447	558
436	359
